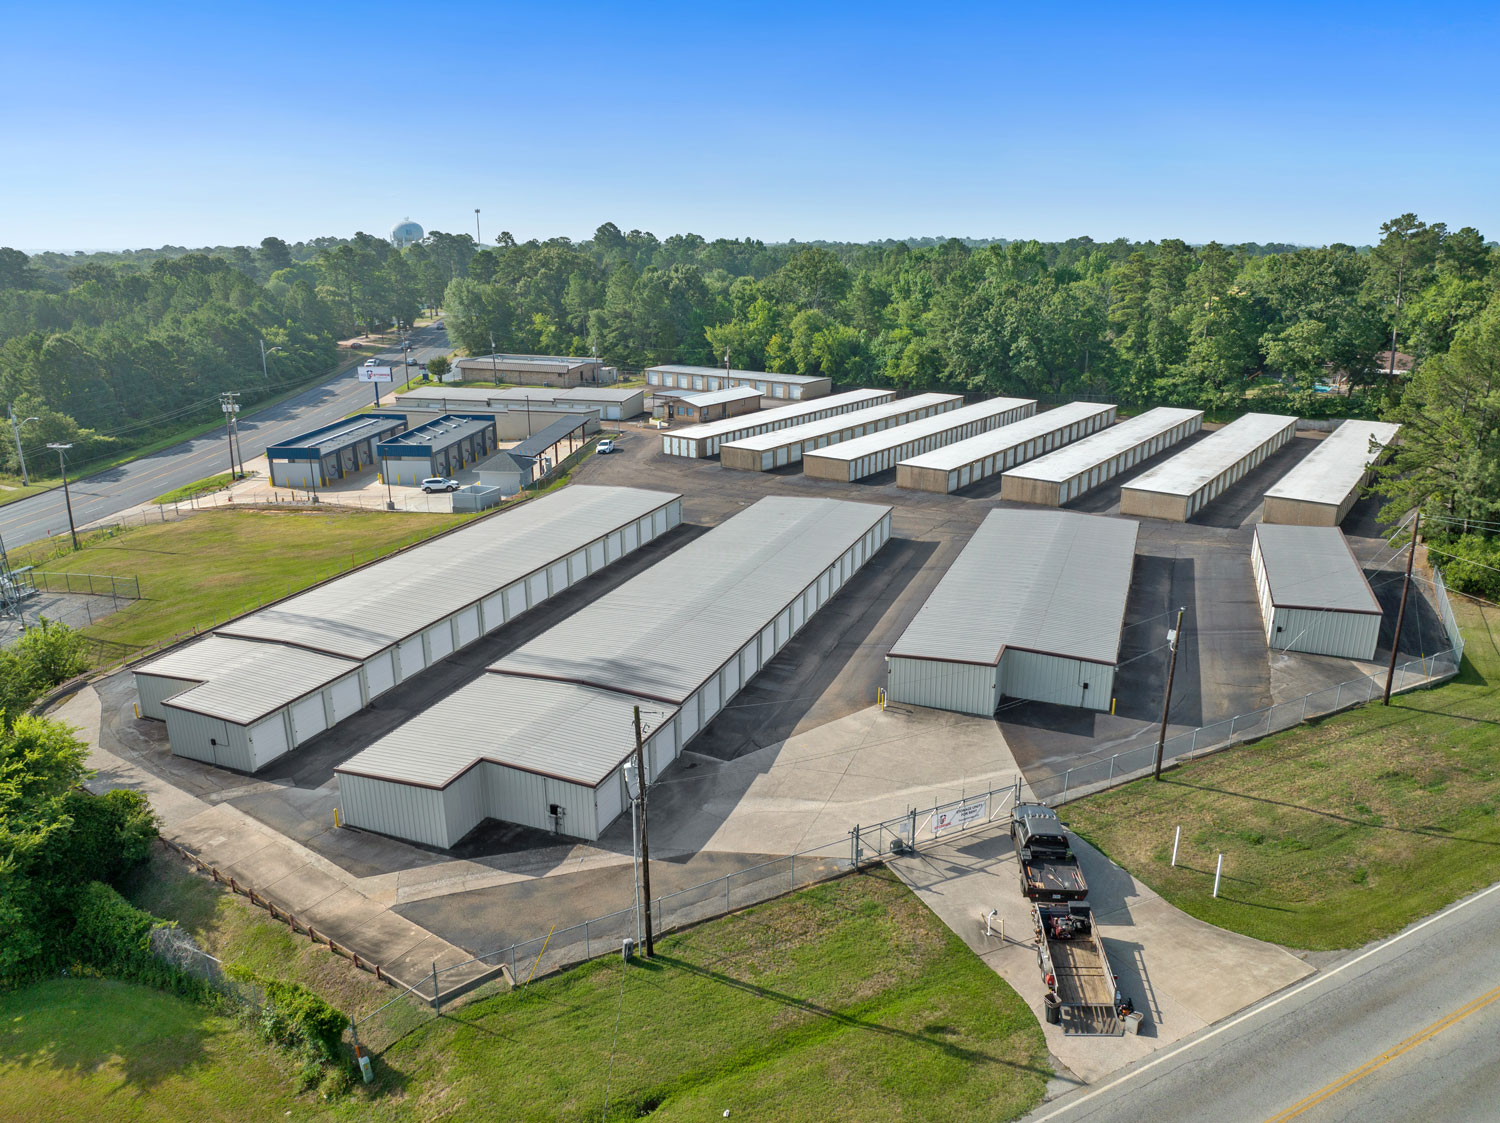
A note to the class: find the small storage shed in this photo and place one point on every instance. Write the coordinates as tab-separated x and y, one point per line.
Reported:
698	409
1321	489
1194	478
1062	476
1313	593
968	462
698	441
1032	608
441	447
346	447
853	460
766	451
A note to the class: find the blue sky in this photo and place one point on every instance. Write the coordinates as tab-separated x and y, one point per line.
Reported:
210	124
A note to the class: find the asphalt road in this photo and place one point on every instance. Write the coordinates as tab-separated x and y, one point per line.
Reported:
1408	1029
139	481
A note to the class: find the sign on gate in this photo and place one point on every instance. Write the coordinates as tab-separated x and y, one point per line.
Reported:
964	815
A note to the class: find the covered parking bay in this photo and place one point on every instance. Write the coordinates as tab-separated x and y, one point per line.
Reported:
1314	596
1032	608
787	446
1062	476
879	452
1194	478
393	618
541	739
978	458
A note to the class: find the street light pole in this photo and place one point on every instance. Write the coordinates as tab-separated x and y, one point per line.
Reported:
1175	638
640	765
264	373
1390	674
478	240
62	469
15	431
494	365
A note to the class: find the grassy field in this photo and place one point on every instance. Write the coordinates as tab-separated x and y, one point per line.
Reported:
209	565
93	1049
849	1001
198	487
1336	833
12	489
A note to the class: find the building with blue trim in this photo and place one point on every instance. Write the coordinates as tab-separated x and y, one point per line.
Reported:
441	447
333	452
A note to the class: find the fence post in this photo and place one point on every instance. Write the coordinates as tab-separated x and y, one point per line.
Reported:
1217	871
1176	838
1068	775
1305	698
726	894
436	1002
586	954
1112	768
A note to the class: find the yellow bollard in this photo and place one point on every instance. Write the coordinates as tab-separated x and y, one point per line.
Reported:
1112	702
137	709
336	822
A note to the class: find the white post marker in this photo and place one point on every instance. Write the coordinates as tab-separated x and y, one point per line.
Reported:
1175	840
1218	869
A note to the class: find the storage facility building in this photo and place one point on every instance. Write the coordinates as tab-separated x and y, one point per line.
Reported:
1313	594
440	447
967	462
704	440
1321	489
1064	475
700	409
332	452
879	452
541	740
777	387
533	370
786	446
1033	608
357	636
1194	478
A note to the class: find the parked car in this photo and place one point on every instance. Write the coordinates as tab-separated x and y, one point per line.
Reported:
439	483
605	447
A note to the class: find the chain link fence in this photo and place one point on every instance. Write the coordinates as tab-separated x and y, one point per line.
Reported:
89	584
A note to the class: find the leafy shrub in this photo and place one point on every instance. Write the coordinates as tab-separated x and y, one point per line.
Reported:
295	1015
113	937
1470	563
46	655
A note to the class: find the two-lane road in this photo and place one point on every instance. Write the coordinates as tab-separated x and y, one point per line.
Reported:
139	481
1405	1031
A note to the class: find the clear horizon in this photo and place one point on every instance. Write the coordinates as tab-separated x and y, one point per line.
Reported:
1306	125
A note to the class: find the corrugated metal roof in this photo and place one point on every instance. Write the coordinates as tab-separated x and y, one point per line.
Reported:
479	395
1313	567
1333	469
1190	469
342	433
1049	581
597	394
967	451
747	421
923	427
572	732
719	372
366	611
1099	448
244	680
664	632
715	397
811	430
437	433
539	442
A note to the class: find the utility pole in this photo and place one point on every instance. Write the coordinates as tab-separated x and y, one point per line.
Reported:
494	367
1390	674
726	368
62	469
264	373
477	239
640	764
15	431
230	408
1175	639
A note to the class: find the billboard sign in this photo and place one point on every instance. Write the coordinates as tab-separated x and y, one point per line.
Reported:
964	815
375	374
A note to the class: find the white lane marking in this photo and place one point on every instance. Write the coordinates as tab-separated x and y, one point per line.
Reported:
1063	1109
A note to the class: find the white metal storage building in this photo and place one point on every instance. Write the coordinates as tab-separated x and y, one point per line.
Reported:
1033	608
778	387
967	462
1313	594
878	452
542	738
1325	485
704	440
1194	478
786	446
1064	475
390	620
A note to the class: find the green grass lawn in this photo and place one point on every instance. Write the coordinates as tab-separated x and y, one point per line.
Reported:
74	1049
198	487
848	1001
13	489
1335	833
199	570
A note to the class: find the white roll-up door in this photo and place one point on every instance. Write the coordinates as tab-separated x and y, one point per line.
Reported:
268	739
515	600
380	672
439	640
494	611
410	657
558	575
632	536
346	697
536	585
308	718
467	623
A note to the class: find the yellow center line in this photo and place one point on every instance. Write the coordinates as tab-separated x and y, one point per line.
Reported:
1385	1058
